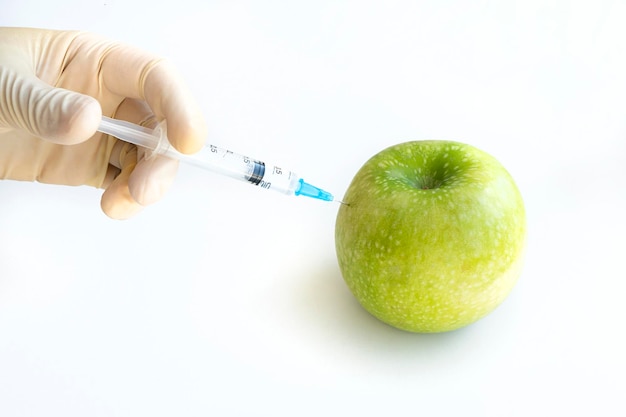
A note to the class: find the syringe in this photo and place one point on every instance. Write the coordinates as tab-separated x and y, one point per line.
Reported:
215	159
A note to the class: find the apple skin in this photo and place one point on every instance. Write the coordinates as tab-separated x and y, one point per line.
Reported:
432	235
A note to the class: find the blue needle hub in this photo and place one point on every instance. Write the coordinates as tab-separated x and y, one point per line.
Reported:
309	190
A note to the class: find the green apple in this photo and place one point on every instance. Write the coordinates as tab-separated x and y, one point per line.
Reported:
432	235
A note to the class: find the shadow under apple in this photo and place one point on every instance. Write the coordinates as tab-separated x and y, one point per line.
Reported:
324	304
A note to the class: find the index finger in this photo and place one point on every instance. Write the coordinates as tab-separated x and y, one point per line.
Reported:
130	72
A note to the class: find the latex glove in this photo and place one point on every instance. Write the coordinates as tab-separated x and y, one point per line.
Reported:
54	87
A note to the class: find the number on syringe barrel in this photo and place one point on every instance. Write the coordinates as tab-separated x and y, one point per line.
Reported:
252	170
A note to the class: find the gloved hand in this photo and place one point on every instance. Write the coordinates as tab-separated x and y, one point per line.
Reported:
54	88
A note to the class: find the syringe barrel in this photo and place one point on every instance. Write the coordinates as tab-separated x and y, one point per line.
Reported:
237	166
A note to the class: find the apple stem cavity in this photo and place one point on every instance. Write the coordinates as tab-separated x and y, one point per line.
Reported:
427	183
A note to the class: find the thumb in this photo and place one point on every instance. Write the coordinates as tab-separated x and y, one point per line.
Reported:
54	114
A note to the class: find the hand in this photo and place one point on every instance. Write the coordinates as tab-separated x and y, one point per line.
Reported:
54	88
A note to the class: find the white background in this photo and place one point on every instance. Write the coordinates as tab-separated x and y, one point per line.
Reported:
225	300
